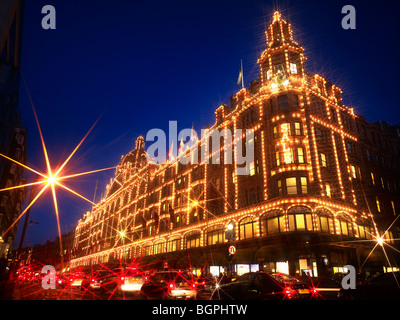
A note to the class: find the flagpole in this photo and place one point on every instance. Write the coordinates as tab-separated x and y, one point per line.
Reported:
241	68
240	79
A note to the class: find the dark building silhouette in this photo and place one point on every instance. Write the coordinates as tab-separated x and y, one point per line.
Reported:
12	134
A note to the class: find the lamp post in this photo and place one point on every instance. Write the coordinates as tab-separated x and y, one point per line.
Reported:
21	241
230	235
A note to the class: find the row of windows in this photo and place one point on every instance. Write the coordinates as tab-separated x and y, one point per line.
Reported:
269	226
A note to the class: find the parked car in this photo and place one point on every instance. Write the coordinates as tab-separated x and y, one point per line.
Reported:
384	286
214	283
323	287
254	286
169	285
304	290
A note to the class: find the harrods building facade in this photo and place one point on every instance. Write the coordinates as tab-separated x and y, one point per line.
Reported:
324	184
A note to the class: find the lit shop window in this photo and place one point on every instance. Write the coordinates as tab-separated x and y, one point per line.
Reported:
297	128
328	190
193	241
300	155
326	225
378	205
159	248
303	184
252	168
273	225
353	172
215	236
361	232
323	160
147	250
280	191
300	222
293	68
277	158
275	132
174	244
246	228
291	185
344	228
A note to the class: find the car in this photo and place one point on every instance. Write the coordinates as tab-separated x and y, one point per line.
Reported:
131	281
304	290
92	282
254	286
169	285
76	279
385	286
215	283
119	280
325	287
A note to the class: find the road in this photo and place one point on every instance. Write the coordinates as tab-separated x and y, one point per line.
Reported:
34	291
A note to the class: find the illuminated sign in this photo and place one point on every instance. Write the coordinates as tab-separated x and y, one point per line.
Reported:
287	152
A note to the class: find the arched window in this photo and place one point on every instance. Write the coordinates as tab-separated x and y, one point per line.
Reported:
272	222
146	249
193	240
345	227
215	235
247	228
159	247
174	244
300	219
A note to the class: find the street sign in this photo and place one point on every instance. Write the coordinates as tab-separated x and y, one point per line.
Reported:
232	250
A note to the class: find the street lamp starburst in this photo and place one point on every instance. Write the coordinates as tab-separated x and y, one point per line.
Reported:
52	180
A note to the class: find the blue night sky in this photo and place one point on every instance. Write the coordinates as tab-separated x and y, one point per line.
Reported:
140	64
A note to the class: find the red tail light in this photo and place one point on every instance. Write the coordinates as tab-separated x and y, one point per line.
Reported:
289	292
171	286
193	285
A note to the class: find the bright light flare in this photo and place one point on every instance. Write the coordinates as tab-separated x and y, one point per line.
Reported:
51	179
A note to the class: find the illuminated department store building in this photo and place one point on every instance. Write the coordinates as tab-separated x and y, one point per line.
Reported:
324	184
